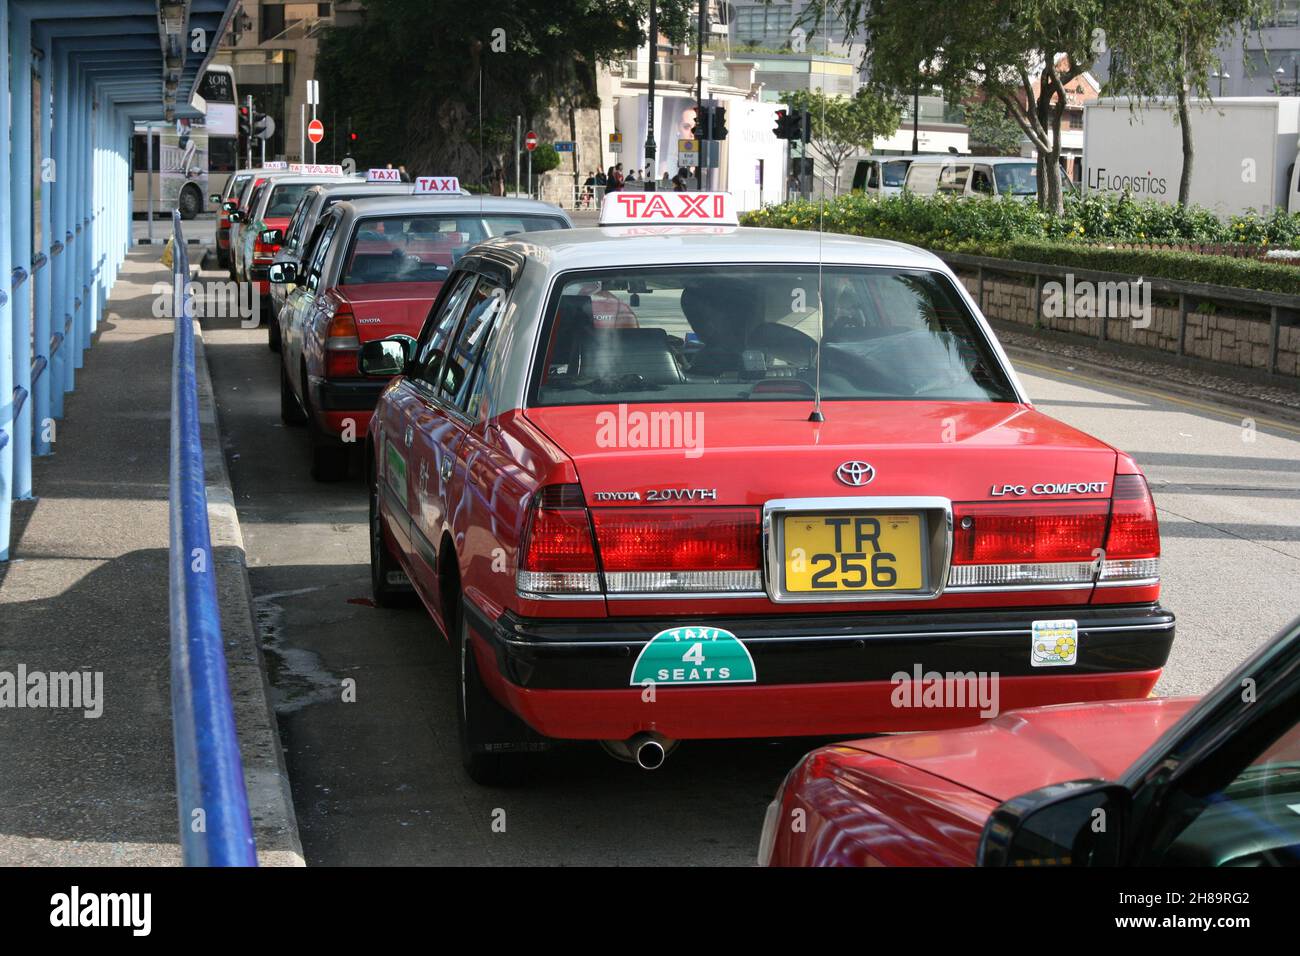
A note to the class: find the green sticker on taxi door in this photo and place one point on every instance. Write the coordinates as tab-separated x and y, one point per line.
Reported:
694	655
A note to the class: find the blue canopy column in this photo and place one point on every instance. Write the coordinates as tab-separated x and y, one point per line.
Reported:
103	66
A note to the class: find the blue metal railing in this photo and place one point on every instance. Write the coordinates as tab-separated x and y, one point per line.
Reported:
215	827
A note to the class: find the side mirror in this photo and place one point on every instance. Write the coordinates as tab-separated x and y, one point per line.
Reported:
283	272
271	237
230	205
1080	823
215	199
236	216
388	356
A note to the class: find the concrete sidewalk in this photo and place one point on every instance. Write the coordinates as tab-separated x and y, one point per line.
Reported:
87	591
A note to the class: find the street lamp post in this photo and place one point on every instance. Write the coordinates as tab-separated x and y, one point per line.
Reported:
650	111
916	112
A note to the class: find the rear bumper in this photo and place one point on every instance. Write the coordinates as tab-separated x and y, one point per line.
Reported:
815	674
344	401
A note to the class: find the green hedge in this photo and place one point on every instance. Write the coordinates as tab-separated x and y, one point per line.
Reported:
1015	230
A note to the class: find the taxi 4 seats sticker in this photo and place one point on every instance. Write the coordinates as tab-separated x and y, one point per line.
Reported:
693	655
1054	644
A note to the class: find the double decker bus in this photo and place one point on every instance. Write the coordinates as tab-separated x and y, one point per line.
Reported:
191	158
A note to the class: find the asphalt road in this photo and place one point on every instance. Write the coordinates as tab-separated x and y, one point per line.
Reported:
378	780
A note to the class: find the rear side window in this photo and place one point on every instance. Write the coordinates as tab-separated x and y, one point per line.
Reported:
284	199
417	247
751	333
463	357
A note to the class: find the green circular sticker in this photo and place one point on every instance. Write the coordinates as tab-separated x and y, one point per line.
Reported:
693	655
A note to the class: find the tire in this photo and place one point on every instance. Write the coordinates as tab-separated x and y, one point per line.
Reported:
483	725
223	258
291	412
273	334
383	569
190	203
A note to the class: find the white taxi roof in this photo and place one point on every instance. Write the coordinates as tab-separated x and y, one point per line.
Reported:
614	246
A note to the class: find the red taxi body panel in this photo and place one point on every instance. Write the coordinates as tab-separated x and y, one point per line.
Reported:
923	799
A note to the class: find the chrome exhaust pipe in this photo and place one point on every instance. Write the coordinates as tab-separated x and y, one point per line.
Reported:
649	753
648	750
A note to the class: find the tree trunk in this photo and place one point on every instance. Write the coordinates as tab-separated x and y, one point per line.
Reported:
1185	127
573	137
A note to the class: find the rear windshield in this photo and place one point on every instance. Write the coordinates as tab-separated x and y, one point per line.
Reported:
895	172
423	248
704	334
284	199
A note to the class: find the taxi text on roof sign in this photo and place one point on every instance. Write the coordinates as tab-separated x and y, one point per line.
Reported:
275	164
384	176
437	184
316	169
632	208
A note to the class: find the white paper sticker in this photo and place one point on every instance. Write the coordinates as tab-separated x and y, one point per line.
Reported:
1054	644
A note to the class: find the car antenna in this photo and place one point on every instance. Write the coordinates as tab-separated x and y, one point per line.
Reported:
817	415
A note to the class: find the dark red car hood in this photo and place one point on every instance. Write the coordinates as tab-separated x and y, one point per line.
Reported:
1027	749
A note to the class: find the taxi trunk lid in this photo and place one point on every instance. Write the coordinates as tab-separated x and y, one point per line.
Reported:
389	308
749	453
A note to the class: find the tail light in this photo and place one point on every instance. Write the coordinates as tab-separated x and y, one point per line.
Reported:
641	550
652	550
342	344
558	555
1000	544
263	250
1132	551
1060	542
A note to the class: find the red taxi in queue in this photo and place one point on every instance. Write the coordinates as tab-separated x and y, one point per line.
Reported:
1156	782
226	203
371	270
788	467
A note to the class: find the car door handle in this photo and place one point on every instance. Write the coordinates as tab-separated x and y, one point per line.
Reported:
445	467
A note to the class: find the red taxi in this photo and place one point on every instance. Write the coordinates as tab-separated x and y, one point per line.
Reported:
669	478
1158	782
371	269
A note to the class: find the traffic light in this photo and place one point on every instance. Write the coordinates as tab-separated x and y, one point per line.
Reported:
789	124
699	130
805	125
718	123
245	123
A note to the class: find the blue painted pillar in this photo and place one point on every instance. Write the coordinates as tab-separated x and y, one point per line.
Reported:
60	304
20	217
42	388
6	311
81	259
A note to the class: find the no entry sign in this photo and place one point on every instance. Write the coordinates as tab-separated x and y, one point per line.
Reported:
315	131
530	141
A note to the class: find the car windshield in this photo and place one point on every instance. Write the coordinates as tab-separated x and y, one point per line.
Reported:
284	199
423	248
895	173
700	334
1018	179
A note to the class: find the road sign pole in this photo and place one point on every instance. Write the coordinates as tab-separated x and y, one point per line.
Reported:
250	131
302	132
519	132
530	172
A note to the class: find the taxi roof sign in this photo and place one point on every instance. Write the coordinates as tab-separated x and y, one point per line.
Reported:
437	184
316	169
625	208
275	164
384	176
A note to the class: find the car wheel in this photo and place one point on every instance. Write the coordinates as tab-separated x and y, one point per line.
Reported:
273	334
291	412
484	725
388	583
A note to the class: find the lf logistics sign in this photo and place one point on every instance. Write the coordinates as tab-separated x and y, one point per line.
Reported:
1139	185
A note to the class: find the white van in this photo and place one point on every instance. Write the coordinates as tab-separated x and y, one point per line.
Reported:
881	175
1013	176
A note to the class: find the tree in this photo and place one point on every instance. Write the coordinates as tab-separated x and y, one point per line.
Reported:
440	93
992	130
1168	47
1022	53
844	125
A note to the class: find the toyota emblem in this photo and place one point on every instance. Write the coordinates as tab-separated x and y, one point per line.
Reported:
855	473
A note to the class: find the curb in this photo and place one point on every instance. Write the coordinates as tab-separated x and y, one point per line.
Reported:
1230	405
266	778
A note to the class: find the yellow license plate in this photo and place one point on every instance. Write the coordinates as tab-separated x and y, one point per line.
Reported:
853	552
